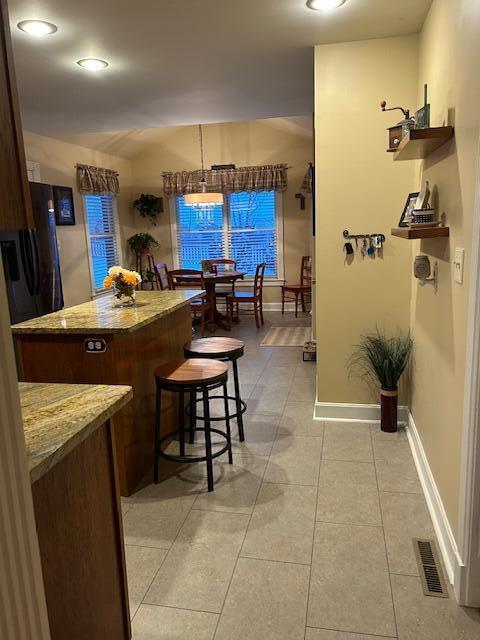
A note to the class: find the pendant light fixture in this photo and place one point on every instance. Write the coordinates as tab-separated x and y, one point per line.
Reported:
202	199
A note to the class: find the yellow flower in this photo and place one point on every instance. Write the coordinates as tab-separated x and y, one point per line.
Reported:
108	281
131	278
115	271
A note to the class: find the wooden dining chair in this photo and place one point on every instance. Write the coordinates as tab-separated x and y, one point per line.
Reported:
162	275
245	297
298	292
201	308
224	264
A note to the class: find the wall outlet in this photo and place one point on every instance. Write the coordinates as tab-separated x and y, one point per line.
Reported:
458	265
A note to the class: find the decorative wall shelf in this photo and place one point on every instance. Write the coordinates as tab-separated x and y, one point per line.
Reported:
417	234
420	143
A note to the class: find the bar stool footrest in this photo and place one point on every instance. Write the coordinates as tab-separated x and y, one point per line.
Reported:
221	418
188	459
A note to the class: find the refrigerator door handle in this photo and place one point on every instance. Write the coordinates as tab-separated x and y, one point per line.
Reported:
26	255
35	260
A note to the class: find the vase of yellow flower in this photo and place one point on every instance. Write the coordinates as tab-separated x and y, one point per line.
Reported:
123	283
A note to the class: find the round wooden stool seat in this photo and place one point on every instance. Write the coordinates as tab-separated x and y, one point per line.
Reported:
196	371
215	347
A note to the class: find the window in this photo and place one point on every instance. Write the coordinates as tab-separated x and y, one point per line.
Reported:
247	228
102	237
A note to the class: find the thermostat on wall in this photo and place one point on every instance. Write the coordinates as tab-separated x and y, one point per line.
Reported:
95	345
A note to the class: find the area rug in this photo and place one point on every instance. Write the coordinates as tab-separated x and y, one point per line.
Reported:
287	337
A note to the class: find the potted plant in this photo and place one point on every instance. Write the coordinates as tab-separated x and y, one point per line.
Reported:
142	244
382	361
149	206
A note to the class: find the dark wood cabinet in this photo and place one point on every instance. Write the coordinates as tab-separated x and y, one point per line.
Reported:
15	205
79	525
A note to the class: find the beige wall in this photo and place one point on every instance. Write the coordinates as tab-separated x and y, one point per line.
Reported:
359	188
448	62
57	166
288	140
142	156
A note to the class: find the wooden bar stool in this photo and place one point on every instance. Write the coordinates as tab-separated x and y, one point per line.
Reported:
191	376
225	350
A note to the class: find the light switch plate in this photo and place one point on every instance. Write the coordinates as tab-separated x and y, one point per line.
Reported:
458	265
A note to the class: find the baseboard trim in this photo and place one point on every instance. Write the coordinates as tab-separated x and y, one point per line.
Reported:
446	540
277	306
350	412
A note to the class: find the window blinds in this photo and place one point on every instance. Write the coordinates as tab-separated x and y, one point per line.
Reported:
244	229
101	225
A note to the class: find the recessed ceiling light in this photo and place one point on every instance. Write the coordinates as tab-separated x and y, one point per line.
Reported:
92	64
37	28
324	5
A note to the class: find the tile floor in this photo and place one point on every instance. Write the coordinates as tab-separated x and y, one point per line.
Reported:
306	537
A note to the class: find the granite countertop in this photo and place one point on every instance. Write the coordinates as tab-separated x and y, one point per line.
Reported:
58	417
99	316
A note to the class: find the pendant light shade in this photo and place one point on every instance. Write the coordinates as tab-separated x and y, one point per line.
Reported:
203	199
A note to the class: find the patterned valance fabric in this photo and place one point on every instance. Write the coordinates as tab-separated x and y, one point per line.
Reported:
97	181
262	178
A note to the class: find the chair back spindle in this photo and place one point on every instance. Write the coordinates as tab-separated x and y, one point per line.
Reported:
162	275
223	264
306	271
179	278
258	281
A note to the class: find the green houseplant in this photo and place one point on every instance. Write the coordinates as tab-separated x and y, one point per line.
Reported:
149	206
142	243
382	360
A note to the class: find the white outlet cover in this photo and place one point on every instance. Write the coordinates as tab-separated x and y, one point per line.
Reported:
458	265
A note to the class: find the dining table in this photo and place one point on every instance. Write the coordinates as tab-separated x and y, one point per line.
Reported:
211	280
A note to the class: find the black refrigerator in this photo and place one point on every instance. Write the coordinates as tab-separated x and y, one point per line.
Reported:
31	263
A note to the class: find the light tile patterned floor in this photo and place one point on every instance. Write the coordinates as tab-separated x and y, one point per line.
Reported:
306	537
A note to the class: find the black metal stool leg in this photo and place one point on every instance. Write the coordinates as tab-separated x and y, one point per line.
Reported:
227	423
158	409
181	421
241	434
208	440
193	415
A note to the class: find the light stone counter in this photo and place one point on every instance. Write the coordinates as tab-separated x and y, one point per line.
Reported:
99	316
58	417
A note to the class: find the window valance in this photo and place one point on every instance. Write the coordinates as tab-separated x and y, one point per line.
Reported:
272	177
96	180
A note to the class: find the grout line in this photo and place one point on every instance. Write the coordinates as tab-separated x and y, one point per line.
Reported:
352	461
166	555
350	524
289	484
171	606
314	531
146	546
298	564
241	547
408	493
253	508
355	633
385	542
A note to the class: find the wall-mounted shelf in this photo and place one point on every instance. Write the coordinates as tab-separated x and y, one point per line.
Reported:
420	143
417	234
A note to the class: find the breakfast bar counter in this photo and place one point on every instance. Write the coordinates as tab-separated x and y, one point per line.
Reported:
71	455
95	343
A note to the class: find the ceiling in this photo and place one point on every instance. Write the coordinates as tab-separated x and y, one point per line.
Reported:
175	62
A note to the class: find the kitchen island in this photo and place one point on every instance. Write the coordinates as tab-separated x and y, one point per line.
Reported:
71	457
98	344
